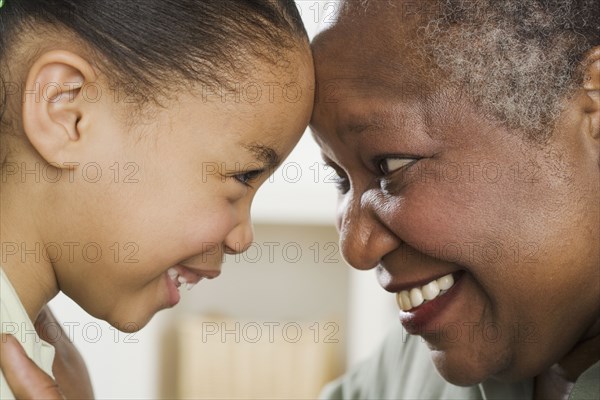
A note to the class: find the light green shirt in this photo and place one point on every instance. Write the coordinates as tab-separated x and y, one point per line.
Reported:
402	369
14	320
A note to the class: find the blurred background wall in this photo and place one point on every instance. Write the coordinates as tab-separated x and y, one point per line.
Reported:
279	322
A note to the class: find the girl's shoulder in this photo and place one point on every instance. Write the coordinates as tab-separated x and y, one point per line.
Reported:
15	321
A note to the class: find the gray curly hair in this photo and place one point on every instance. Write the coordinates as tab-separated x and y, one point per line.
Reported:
518	59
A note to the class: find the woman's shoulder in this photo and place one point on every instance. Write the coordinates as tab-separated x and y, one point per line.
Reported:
588	384
401	368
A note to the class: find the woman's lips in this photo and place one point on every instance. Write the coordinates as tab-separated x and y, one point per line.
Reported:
413	297
421	305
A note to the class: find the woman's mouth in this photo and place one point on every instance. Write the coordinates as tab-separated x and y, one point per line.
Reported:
412	298
424	304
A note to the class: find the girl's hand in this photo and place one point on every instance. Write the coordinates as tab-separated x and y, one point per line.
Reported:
25	378
28	381
68	368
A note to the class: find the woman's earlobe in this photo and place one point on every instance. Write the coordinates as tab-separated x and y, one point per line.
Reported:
53	103
591	86
591	72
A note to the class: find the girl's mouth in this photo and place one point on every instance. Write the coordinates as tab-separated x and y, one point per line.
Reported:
180	280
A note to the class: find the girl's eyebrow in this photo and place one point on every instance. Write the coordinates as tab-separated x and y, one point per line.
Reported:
264	154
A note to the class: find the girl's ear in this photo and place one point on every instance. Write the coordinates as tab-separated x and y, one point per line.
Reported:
55	106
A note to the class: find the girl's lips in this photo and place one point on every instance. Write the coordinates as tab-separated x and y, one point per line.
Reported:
179	275
421	319
194	275
173	291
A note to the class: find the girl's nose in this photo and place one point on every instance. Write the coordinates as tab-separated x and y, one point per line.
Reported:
240	237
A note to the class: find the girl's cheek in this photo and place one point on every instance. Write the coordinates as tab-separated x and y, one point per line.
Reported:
203	236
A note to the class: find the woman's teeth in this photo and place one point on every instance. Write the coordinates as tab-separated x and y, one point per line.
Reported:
179	280
408	299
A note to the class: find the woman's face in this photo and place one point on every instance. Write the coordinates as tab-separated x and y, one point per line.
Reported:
175	190
430	188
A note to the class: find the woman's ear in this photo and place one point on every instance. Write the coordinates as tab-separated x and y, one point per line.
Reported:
591	86
54	103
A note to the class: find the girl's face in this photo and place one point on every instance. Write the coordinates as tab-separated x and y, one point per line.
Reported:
163	198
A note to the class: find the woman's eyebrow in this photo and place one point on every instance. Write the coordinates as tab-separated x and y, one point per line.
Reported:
264	154
360	125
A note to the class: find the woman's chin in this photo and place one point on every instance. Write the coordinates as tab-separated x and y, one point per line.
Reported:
461	371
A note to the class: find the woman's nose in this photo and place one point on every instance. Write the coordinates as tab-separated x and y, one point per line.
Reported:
364	238
240	237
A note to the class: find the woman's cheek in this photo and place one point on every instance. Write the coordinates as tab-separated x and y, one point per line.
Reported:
422	218
438	220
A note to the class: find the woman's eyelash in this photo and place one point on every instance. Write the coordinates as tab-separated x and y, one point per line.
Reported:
390	165
342	183
385	165
340	180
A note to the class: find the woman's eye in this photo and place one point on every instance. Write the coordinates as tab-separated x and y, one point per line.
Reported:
247	177
342	183
337	176
391	164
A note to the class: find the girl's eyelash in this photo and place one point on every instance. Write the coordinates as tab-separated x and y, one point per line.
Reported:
246	178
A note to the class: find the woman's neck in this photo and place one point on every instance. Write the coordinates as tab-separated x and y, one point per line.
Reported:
558	381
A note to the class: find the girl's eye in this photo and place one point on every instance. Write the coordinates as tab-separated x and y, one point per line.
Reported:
392	164
247	177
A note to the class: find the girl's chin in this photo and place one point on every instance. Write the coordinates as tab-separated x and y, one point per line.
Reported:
131	325
133	321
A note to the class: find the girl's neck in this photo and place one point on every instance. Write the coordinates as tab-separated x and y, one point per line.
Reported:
25	260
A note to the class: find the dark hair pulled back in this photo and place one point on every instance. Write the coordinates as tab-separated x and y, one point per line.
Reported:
151	43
